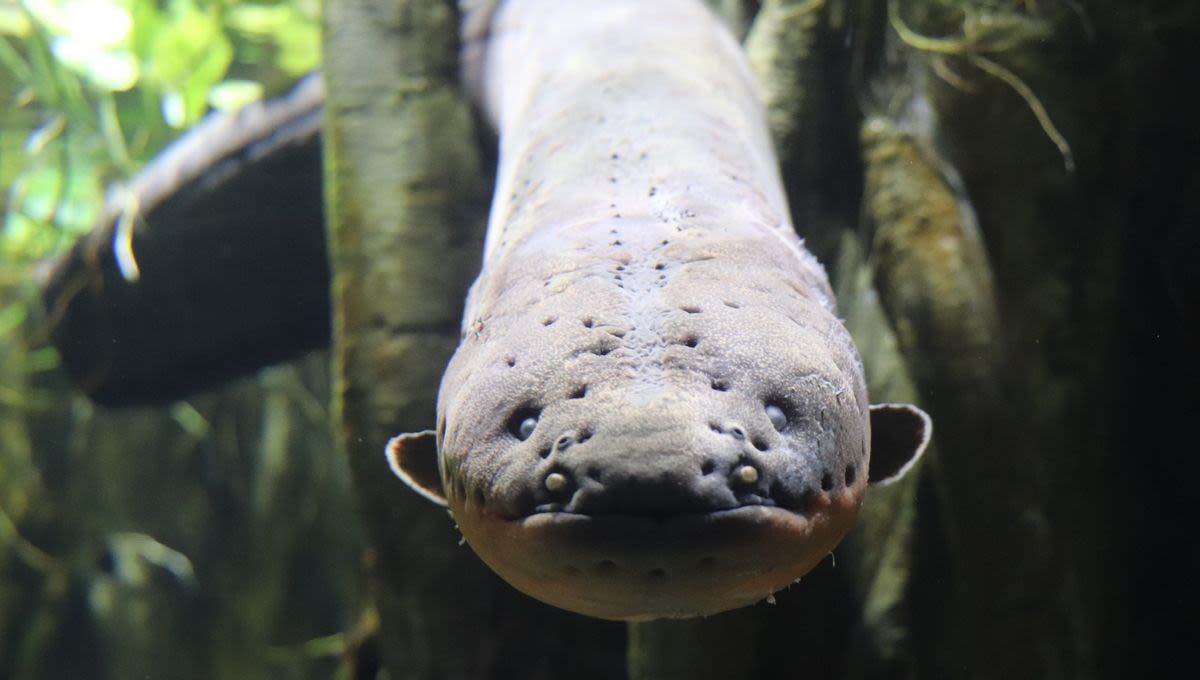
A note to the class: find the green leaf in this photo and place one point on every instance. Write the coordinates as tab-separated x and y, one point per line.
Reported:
14	21
11	317
190	55
110	70
231	95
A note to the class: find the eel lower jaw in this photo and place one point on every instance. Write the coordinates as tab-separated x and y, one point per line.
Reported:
643	568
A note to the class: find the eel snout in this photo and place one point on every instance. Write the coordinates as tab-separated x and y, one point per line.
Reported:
672	458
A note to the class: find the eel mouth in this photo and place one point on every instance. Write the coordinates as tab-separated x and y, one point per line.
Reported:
627	567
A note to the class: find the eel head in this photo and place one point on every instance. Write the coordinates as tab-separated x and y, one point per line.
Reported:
636	463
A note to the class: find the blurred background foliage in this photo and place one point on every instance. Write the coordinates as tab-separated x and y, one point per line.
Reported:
94	88
212	538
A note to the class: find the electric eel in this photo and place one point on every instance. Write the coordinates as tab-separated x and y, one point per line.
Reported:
654	411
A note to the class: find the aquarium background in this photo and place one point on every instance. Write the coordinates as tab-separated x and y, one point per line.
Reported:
241	523
209	537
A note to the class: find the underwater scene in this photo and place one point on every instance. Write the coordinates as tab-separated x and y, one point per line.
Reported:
646	339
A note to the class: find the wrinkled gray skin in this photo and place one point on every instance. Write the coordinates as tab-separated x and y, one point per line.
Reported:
646	326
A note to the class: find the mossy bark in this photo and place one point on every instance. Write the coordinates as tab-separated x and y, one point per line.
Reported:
784	49
712	648
1013	328
403	188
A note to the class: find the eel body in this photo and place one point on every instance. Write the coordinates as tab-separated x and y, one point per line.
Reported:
654	410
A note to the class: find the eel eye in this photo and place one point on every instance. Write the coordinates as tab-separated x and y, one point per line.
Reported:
523	423
525	429
776	416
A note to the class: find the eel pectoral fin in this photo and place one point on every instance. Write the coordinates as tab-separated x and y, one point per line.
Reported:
413	457
899	435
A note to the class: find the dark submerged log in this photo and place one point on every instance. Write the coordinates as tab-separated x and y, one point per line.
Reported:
228	272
